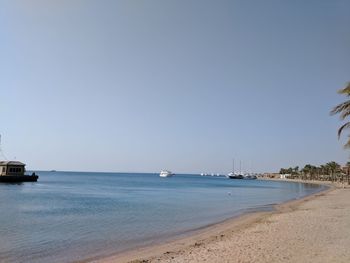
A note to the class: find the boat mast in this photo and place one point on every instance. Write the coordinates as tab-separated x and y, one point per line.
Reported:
1	152
240	167
233	166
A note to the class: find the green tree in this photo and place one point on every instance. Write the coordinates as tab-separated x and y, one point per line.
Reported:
306	171
323	170
296	170
344	110
334	168
348	172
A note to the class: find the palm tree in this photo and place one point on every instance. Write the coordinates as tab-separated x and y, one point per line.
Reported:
296	169
323	169
334	168
344	110
306	171
348	171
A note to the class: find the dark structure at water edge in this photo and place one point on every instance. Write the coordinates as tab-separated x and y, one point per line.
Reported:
14	172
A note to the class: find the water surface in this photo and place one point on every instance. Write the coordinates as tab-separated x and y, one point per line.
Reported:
69	216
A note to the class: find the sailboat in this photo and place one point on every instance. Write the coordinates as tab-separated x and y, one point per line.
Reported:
250	175
233	175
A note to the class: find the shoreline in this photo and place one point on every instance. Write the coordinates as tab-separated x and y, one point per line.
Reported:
204	236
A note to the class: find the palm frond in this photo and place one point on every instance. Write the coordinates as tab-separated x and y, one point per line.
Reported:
344	110
347	145
345	126
342	107
344	114
345	90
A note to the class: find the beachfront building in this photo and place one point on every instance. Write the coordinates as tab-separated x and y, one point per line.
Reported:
284	176
271	175
14	168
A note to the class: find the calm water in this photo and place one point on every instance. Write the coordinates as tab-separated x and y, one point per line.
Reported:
68	216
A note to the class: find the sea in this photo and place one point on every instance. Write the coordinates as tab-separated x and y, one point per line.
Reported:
74	216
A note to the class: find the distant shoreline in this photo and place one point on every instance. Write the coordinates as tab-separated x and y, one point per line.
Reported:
208	236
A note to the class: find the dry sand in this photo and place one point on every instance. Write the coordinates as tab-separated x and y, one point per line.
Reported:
313	229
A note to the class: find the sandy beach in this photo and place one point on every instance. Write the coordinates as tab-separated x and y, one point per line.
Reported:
312	229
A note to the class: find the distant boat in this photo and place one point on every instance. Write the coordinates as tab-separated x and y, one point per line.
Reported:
249	177
165	173
52	171
233	175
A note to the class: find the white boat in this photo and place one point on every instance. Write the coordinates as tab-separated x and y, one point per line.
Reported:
249	177
165	173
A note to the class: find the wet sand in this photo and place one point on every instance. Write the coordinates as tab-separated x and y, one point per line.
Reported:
313	229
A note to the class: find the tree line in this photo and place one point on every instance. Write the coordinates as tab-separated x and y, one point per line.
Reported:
330	171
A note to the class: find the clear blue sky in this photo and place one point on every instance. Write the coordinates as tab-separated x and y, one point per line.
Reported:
180	85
